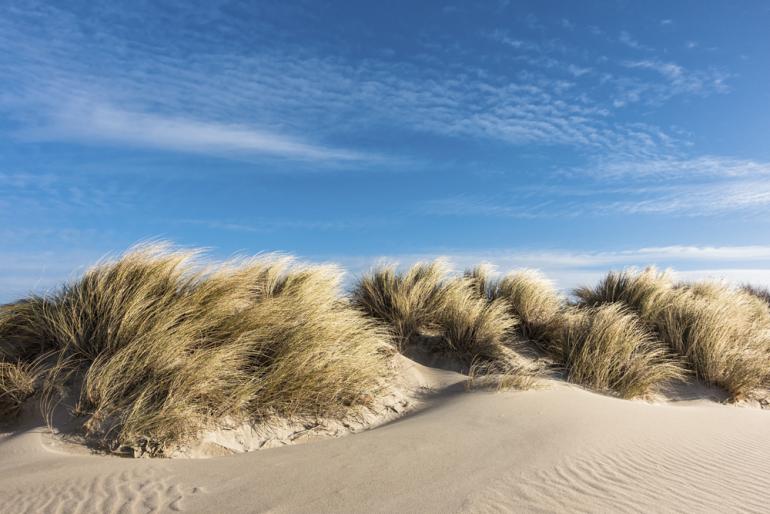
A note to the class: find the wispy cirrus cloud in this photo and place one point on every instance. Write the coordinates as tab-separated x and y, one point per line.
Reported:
202	92
23	194
677	167
701	186
106	124
681	80
627	39
174	95
750	197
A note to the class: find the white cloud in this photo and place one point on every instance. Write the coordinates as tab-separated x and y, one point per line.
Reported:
754	276
106	124
508	259
26	272
678	167
667	69
673	80
749	196
635	188
629	41
569	269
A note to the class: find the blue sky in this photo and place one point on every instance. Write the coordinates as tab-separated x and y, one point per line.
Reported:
568	136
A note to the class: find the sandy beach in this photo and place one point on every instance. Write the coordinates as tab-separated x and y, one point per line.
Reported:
557	448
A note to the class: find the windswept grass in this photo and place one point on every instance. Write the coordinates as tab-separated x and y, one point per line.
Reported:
762	293
17	384
721	332
472	327
533	300
644	292
604	348
608	348
409	303
427	309
155	348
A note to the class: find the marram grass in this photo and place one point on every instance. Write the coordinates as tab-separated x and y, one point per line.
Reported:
531	298
150	349
722	333
426	306
153	347
608	348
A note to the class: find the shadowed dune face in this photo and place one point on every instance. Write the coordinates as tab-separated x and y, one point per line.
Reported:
153	348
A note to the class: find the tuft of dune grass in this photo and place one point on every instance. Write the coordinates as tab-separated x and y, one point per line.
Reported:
472	327
723	335
409	303
721	332
533	300
17	384
154	348
761	293
605	348
608	348
645	292
502	375
429	310
481	279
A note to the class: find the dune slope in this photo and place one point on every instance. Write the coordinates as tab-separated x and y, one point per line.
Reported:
542	450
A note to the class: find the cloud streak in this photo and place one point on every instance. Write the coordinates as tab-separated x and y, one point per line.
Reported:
106	124
674	167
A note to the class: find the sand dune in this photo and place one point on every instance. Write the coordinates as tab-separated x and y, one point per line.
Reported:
553	449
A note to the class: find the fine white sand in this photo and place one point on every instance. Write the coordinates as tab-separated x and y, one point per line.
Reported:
559	448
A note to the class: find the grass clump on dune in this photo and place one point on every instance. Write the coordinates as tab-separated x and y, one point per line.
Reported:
472	327
409	303
762	293
723	335
17	384
430	311
154	348
644	292
721	332
532	299
608	348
